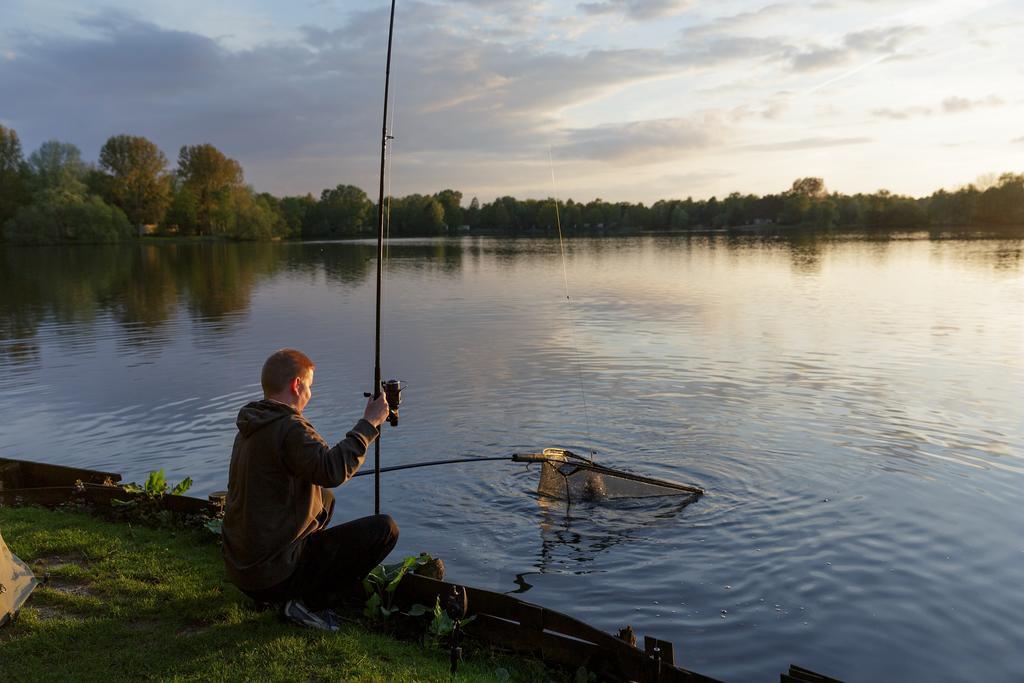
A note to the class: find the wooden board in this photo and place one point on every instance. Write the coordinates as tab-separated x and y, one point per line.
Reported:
17	474
513	624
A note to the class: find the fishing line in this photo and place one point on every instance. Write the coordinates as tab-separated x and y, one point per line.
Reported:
568	300
390	163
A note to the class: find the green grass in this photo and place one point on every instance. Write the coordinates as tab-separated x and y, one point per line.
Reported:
134	603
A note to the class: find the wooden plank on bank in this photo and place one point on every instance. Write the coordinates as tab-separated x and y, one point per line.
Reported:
52	496
25	473
521	626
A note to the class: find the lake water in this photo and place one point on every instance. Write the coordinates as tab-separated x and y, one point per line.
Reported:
853	408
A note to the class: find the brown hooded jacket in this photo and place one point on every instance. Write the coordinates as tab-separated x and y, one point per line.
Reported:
275	501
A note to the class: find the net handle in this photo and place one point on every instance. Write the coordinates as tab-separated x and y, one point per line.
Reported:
581	463
532	457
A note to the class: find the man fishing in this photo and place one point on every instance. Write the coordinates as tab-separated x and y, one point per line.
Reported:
277	547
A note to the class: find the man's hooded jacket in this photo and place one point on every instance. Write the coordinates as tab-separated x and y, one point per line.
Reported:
275	501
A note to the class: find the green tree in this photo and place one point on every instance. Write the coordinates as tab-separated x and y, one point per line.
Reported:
795	209
824	214
14	175
280	227
571	217
451	203
344	211
57	215
593	215
850	211
183	213
636	217
417	214
963	209
58	165
294	210
809	187
254	217
661	214
799	202
11	160
210	176
1003	203
679	218
473	213
432	216
495	216
139	182
547	217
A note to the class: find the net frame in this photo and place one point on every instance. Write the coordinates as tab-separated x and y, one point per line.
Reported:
571	477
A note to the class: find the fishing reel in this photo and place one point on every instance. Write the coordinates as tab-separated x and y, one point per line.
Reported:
393	392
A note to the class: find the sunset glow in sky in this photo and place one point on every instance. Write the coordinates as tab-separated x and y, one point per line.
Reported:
636	99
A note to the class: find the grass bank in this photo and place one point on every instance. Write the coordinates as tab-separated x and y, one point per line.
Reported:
134	603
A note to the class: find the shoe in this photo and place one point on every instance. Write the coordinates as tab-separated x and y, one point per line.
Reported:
297	613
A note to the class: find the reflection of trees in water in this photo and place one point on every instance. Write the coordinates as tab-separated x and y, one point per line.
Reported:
343	262
143	286
804	253
219	278
60	283
140	286
574	535
148	297
443	256
354	262
1007	258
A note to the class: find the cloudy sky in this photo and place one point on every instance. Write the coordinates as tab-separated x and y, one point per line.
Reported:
632	99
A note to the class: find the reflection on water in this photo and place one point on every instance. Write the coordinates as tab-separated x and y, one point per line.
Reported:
143	287
573	536
850	405
139	287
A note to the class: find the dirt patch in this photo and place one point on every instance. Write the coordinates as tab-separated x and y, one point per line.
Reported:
143	624
49	563
148	579
192	629
51	612
69	587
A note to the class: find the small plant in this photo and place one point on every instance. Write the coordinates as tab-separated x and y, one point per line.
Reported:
147	508
156	485
443	625
381	583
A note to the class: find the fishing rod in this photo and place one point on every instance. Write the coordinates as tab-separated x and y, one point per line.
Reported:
396	468
578	462
515	457
393	417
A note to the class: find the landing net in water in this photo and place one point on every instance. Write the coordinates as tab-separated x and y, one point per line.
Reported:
567	476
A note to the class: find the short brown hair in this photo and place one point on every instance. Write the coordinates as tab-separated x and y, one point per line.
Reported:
281	368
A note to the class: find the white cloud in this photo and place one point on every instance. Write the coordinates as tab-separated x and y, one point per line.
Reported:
901	114
857	45
806	143
636	9
956	105
640	142
482	87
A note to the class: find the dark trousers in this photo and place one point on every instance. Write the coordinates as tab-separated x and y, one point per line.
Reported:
333	560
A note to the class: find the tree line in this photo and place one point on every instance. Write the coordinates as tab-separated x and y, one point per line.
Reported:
807	203
54	196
